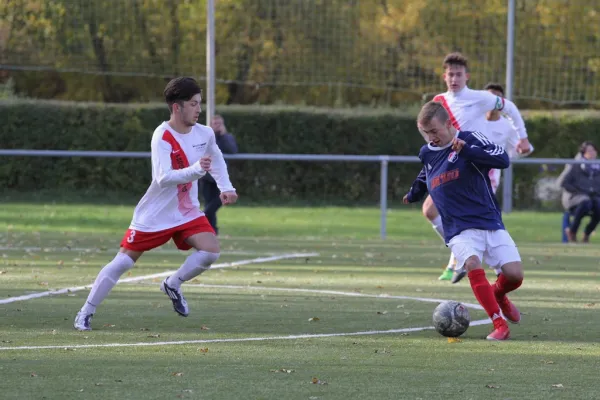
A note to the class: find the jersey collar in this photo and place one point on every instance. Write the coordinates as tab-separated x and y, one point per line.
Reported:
436	148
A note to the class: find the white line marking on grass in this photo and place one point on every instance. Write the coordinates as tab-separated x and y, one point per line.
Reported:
251	339
266	338
159	275
333	292
103	250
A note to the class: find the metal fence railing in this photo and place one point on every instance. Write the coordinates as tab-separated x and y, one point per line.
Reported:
383	160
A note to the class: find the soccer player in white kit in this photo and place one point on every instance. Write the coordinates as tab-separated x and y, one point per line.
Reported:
467	109
501	131
182	152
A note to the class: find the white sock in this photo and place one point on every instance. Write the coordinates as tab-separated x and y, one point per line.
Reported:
451	262
437	226
194	265
107	279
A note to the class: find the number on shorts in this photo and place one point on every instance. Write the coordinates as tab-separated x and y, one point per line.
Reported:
131	236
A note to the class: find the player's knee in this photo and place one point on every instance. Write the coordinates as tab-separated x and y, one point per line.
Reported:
204	259
513	271
121	263
211	258
472	263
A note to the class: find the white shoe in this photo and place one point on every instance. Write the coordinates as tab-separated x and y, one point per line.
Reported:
83	322
179	304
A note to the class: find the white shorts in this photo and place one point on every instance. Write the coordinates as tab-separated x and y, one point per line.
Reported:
494	175
496	248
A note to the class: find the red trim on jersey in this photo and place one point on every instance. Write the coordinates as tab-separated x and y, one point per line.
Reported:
179	161
441	99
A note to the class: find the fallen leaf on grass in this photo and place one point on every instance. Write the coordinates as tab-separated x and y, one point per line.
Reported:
589	305
558	386
317	381
454	340
204	328
313	319
284	370
492	387
379	287
203	350
177	374
43	283
109	325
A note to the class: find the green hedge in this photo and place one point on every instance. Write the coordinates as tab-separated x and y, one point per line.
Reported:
69	126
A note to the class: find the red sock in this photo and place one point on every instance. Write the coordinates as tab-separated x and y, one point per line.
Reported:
503	286
485	295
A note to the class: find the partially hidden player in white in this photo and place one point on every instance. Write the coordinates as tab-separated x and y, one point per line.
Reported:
183	151
455	173
501	131
467	110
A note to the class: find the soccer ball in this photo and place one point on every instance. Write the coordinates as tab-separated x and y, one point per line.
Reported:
451	318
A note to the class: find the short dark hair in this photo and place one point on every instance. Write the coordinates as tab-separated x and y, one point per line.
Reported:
432	110
456	59
495	87
181	89
585	145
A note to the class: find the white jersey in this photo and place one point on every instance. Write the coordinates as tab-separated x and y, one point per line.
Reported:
467	110
503	133
172	198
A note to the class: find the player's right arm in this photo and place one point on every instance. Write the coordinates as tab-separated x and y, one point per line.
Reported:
489	102
162	166
418	190
480	151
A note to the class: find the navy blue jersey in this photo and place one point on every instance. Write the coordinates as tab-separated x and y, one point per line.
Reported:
459	184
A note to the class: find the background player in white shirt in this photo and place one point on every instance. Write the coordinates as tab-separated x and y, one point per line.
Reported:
467	109
183	151
501	131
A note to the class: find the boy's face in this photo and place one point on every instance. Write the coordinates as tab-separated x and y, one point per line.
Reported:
456	77
189	111
438	133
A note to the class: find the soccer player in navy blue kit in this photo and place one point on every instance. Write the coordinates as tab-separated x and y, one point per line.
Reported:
455	174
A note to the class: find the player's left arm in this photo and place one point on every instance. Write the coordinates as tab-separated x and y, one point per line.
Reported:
418	190
481	151
491	102
218	170
512	145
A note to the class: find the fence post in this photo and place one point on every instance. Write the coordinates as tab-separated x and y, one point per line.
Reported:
383	189
210	61
507	186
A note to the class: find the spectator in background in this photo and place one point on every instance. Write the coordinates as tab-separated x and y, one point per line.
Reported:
210	191
581	194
